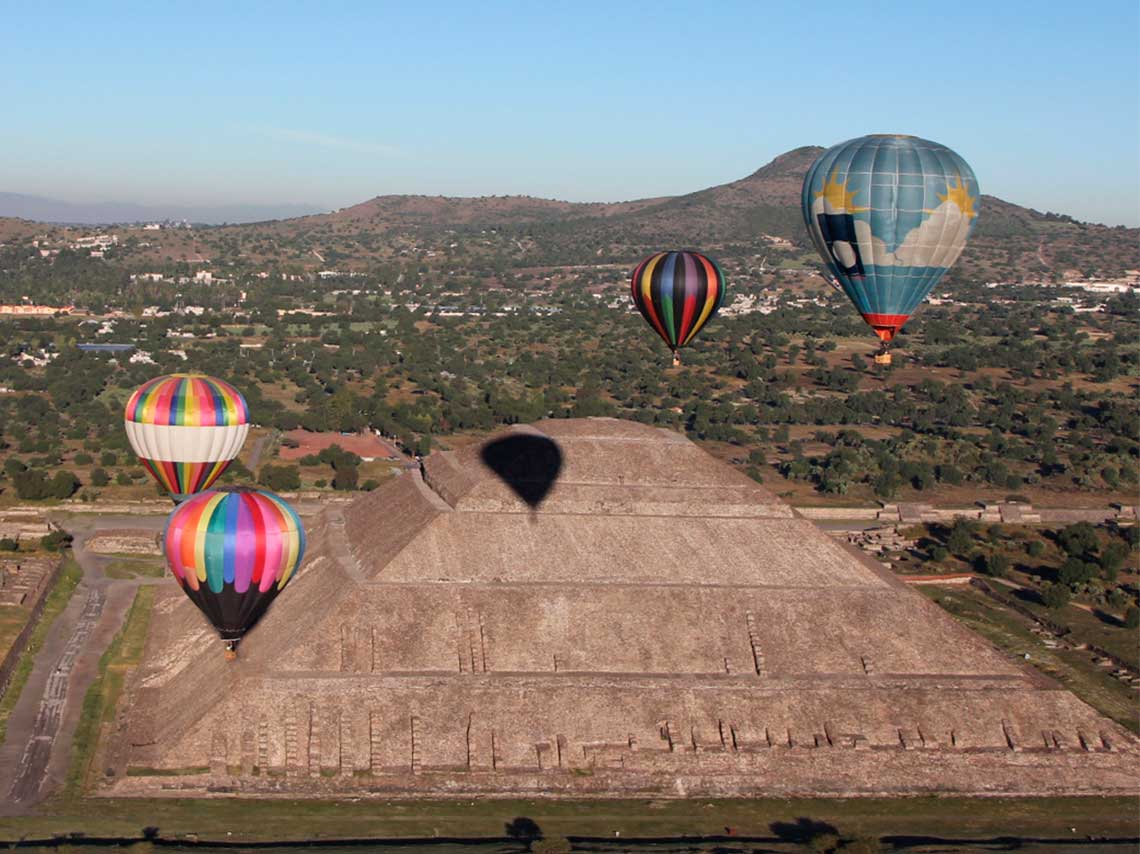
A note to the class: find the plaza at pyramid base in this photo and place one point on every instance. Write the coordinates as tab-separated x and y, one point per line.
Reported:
594	608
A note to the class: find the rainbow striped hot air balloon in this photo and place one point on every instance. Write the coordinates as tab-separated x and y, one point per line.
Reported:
186	429
677	293
889	214
232	552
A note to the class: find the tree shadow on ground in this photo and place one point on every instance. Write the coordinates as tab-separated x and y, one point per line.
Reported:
527	463
523	829
803	831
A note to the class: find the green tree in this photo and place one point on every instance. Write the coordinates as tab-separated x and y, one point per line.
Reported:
63	485
1076	571
346	477
1055	596
56	541
997	565
1078	540
99	477
280	478
961	537
31	485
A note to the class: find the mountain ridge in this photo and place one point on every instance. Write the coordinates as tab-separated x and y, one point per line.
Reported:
739	217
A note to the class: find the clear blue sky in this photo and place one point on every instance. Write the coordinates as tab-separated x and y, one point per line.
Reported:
336	102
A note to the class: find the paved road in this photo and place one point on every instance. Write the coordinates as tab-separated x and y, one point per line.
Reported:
34	756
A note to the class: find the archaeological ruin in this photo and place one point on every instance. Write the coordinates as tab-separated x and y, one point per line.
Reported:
596	608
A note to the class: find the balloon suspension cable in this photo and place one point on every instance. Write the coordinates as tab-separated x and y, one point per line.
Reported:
676	359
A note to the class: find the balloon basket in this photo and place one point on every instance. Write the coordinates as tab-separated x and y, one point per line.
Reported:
676	359
231	651
882	358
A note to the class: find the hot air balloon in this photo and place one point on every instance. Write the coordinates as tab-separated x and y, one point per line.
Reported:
186	429
232	552
889	214
677	293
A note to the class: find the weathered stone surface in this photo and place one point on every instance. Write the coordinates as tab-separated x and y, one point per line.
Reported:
658	625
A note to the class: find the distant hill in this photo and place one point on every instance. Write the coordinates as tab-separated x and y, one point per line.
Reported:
43	209
1011	242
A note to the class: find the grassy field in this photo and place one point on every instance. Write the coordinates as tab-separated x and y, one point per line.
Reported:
1074	669
134	567
124	653
1084	627
284	820
12	620
57	600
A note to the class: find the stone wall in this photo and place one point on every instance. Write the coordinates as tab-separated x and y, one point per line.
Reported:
8	665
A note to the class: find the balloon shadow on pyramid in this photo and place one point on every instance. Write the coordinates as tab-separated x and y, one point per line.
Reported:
527	463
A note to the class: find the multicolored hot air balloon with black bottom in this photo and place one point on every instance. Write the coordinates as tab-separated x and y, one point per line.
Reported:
186	429
889	214
677	293
233	551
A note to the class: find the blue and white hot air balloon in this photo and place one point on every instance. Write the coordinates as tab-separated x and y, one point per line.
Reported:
889	214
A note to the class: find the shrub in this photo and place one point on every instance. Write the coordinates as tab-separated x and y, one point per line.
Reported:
63	485
1078	540
7	544
99	477
1076	571
939	554
997	565
1055	596
280	478
346	477
56	541
31	485
1132	618
1035	548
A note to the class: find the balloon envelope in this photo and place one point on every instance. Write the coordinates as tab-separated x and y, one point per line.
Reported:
232	552
677	293
889	215
186	429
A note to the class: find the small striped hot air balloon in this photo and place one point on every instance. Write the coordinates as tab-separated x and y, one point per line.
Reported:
677	293
889	215
186	429
232	552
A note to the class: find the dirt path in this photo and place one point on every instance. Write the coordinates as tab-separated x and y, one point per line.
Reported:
35	754
258	449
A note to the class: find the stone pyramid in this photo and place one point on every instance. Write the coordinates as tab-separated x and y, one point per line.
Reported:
595	608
